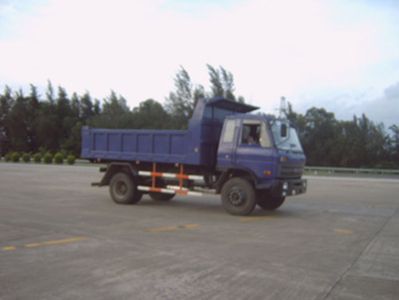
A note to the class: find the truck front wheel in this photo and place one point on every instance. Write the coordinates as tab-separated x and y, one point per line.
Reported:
238	197
123	189
267	201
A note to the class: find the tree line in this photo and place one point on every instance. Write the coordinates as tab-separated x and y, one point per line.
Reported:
32	122
356	143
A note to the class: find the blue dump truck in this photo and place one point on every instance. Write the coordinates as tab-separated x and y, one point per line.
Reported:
250	159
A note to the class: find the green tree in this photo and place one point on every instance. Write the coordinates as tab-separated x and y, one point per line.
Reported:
394	145
74	124
114	114
18	123
86	108
64	117
150	114
33	104
298	120
47	122
319	135
222	84
215	78
6	103
181	102
50	92
369	142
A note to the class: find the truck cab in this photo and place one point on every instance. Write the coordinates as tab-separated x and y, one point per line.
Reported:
267	151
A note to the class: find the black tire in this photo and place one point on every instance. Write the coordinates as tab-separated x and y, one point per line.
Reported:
238	196
267	201
161	197
123	189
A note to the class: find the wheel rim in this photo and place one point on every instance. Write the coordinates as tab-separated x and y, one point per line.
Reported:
121	188
236	197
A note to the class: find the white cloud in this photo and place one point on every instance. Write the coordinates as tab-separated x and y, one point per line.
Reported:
299	49
385	107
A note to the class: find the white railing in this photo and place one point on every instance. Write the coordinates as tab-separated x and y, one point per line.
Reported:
353	171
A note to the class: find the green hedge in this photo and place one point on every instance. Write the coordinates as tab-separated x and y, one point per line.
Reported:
7	157
71	159
15	157
48	158
37	158
26	157
59	158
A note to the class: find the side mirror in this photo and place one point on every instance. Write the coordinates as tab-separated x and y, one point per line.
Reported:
283	130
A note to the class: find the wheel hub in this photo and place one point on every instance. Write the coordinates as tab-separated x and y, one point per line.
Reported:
236	197
121	188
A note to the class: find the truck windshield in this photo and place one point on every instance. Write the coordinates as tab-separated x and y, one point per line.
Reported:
289	142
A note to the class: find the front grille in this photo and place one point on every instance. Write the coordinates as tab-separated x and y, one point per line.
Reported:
290	170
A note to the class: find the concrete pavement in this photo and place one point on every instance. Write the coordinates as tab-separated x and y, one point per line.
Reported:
61	238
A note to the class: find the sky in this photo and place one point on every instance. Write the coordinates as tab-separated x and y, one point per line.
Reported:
341	55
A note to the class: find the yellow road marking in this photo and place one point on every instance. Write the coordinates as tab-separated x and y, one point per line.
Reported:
47	243
190	226
56	242
8	248
343	231
256	218
172	228
33	245
162	229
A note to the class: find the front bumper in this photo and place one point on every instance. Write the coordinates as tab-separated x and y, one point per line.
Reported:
290	187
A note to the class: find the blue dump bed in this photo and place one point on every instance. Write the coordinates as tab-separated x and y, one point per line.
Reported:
195	146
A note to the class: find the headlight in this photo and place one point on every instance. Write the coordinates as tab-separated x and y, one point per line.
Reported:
285	186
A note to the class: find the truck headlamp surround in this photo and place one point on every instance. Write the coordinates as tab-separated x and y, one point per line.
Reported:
285	186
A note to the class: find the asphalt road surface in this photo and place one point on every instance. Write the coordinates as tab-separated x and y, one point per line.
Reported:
60	238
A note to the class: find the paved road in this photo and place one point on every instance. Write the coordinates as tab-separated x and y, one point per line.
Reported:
62	239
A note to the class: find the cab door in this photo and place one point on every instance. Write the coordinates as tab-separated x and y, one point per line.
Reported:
254	150
228	144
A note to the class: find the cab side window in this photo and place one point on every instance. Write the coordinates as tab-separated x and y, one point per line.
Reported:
250	134
255	133
228	134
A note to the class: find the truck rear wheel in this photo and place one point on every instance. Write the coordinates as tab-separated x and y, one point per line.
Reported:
267	201
161	197
123	189
238	197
